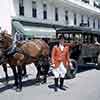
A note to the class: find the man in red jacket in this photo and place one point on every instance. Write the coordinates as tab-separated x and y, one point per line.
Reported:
60	62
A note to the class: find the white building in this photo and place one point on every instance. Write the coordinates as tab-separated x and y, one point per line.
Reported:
44	16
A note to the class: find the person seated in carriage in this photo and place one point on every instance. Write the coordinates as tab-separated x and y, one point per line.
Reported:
16	38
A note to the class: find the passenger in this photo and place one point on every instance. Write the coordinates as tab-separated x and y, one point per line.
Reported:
96	42
15	39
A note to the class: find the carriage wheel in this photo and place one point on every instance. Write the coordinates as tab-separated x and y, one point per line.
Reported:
71	73
75	68
98	63
98	66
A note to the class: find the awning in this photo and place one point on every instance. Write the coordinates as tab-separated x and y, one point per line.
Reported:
72	29
33	31
40	32
96	32
18	27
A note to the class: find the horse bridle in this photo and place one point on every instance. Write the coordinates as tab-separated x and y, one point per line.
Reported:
1	44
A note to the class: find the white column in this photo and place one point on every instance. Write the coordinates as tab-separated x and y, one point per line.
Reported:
85	18
92	2
61	16
91	22
70	18
78	19
96	23
28	8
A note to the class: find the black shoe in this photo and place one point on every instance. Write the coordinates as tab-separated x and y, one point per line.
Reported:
61	84
56	85
55	89
62	88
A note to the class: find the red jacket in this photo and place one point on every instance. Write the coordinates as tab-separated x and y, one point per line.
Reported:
59	56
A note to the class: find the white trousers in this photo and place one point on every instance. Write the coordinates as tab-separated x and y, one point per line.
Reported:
60	71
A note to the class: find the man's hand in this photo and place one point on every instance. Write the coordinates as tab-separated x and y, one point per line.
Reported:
53	65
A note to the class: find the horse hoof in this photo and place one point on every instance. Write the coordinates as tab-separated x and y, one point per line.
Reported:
14	87
43	82
38	84
25	76
37	81
18	90
6	83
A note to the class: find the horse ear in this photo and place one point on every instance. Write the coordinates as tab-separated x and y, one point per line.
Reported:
4	33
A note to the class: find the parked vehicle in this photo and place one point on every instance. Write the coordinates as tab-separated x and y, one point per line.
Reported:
90	47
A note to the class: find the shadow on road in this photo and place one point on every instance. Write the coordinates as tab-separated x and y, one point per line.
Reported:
30	82
85	67
53	86
8	86
3	79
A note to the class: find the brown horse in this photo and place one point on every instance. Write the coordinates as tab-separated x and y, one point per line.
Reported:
33	51
4	65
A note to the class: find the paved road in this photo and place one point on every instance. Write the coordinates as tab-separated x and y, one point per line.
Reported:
86	86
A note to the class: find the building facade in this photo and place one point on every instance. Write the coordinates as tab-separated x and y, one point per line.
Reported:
50	14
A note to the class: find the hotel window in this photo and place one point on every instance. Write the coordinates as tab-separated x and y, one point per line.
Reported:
56	14
44	11
21	8
98	24
75	19
66	16
82	19
85	1
88	21
93	23
97	4
34	10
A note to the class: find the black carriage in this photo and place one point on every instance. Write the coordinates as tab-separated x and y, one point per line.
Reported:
89	53
89	39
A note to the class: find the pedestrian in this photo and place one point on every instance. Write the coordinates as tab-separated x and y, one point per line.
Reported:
60	62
